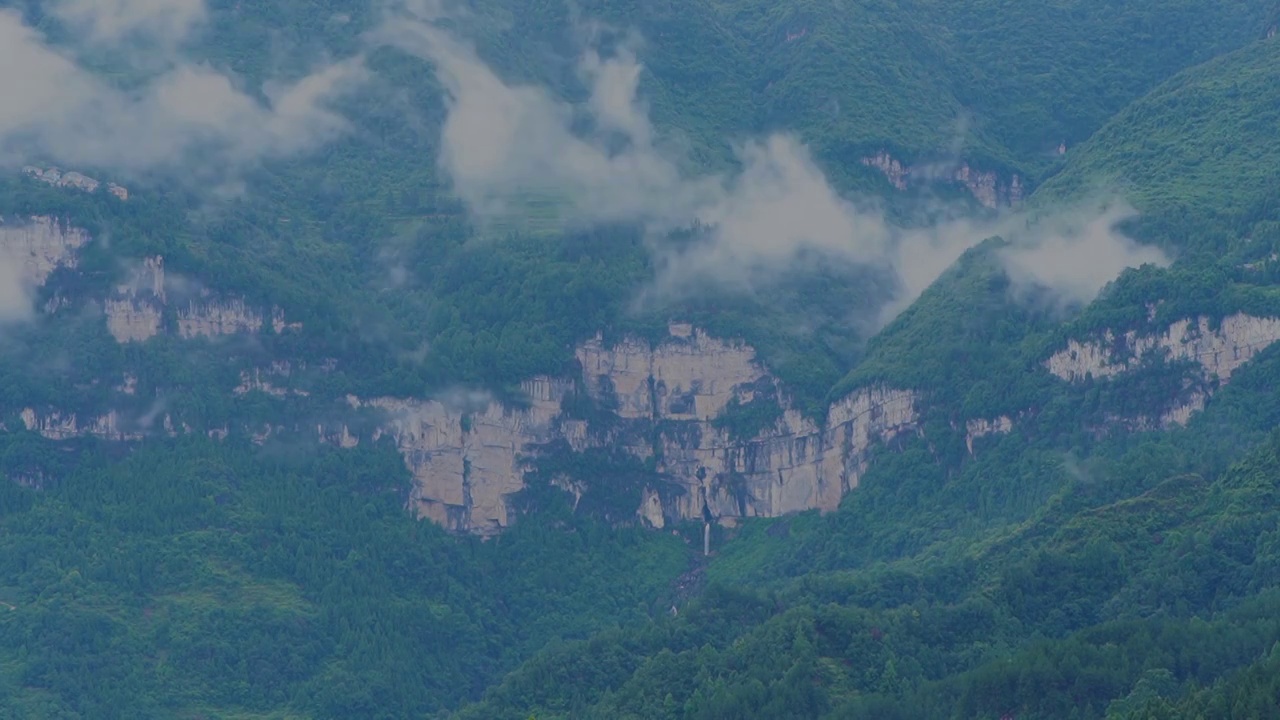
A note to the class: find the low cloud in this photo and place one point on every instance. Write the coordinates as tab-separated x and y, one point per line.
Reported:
603	162
505	145
191	120
109	22
1075	254
15	298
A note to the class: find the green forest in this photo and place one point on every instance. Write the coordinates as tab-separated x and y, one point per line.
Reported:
1087	564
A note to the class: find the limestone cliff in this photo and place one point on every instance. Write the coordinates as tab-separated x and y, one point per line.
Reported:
985	186
136	310
894	171
987	189
134	313
39	245
1219	351
72	179
60	426
982	427
260	380
466	464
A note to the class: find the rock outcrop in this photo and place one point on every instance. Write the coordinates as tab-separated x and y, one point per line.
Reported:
72	179
894	171
39	245
136	310
64	426
985	186
1218	351
259	380
467	463
981	427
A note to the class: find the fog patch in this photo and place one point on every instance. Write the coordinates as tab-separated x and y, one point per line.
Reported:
1075	253
602	161
190	121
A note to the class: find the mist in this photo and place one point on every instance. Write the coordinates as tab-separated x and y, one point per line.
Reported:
600	161
604	161
188	120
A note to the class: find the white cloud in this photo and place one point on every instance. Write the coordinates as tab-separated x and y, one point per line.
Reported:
1076	253
57	110
15	299
503	142
112	21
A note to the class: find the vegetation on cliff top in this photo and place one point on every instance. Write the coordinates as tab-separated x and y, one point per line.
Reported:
1069	569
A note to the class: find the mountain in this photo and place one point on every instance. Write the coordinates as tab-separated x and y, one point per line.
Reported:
392	359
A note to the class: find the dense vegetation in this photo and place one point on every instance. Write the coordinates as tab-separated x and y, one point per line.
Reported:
1077	567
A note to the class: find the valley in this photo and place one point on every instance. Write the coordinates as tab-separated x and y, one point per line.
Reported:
395	364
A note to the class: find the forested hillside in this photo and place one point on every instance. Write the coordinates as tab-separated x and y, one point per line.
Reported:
385	359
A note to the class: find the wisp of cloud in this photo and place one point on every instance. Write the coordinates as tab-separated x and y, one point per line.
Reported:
190	121
502	142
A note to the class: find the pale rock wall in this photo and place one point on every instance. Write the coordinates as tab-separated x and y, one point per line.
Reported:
466	465
1219	353
64	426
985	186
1180	414
171	429
40	245
218	318
73	179
129	320
259	379
981	427
651	509
892	168
693	377
227	317
135	313
795	466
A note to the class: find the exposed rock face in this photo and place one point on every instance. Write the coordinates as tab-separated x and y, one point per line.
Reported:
985	186
72	179
893	169
227	317
60	426
136	312
987	189
692	376
980	427
218	318
466	465
1219	353
40	245
259	380
794	466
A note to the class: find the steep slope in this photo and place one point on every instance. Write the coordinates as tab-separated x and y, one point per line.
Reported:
255	399
1102	484
1196	153
898	641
